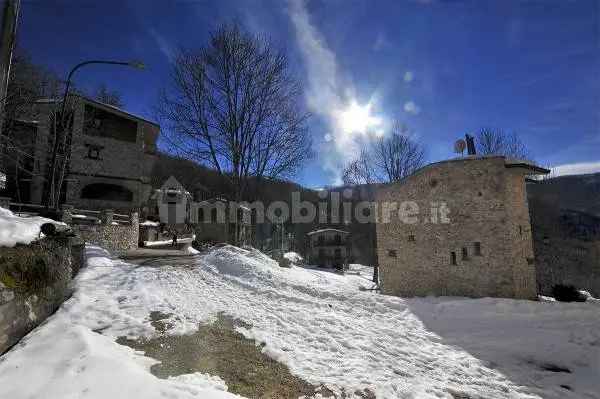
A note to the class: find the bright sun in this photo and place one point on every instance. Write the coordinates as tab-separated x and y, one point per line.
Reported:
358	119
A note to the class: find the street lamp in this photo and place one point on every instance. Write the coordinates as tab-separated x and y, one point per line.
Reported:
133	64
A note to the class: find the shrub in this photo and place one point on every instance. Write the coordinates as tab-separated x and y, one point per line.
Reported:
567	293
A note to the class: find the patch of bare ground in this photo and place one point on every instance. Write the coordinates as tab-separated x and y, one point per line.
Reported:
217	349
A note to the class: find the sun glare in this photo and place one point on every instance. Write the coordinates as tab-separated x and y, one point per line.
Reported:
358	119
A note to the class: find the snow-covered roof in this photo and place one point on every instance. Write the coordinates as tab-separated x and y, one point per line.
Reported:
326	230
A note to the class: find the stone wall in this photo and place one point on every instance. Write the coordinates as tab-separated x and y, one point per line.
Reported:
211	232
564	253
34	281
484	250
108	234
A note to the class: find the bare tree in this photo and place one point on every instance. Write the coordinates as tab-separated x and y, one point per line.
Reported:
390	158
28	83
498	142
110	97
360	170
232	105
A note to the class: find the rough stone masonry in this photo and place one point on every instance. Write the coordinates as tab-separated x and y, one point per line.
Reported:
485	249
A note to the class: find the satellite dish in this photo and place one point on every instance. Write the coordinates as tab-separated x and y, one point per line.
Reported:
459	146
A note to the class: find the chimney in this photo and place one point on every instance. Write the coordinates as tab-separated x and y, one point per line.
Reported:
470	144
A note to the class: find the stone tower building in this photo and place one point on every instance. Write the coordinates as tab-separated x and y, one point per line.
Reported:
470	236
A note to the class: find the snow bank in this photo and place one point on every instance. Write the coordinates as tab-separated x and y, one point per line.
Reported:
294	258
149	223
64	357
319	323
64	360
191	250
20	230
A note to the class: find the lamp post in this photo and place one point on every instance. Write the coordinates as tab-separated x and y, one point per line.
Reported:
53	188
133	64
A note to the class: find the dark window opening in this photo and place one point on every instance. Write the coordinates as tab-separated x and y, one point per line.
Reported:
392	253
520	230
453	258
213	215
465	254
99	122
106	192
477	247
200	215
411	238
93	151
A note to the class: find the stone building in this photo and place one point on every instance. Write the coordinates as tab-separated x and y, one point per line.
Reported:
329	248
218	220
469	234
111	155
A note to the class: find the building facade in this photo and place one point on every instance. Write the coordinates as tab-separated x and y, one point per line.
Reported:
469	234
329	248
110	159
172	202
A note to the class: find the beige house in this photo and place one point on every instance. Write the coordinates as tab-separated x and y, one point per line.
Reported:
328	248
173	202
471	235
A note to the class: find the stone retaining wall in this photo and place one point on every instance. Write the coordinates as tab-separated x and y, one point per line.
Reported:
108	234
34	281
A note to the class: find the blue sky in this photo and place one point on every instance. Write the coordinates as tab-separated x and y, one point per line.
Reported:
443	68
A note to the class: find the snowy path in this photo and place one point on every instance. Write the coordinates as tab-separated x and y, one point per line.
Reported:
328	331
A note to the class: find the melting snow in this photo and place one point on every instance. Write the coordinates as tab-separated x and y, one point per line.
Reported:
321	324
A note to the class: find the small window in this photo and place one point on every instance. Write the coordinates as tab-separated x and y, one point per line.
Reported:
200	215
213	215
411	238
392	253
520	230
453	258
465	254
477	248
93	151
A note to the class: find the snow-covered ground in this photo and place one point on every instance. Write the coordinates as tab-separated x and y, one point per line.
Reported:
323	325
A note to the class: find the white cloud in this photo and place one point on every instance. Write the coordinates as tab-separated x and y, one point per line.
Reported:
576	169
411	107
163	44
331	97
408	76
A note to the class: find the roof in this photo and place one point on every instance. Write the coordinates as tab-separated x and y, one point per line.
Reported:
508	163
325	230
521	163
107	107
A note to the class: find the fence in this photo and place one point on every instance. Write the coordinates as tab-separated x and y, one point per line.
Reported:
110	230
